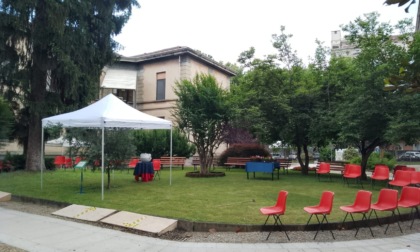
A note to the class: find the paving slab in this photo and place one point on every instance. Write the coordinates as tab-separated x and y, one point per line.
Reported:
4	196
87	213
146	223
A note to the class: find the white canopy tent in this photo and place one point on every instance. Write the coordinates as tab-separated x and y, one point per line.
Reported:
109	112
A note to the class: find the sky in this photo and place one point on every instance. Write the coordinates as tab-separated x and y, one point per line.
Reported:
225	28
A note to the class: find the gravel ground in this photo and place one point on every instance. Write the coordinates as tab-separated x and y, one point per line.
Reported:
231	237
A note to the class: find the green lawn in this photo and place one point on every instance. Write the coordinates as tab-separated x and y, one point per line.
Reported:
229	199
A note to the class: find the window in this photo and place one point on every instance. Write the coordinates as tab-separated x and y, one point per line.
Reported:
125	95
160	86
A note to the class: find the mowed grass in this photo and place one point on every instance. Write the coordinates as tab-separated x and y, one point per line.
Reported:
232	199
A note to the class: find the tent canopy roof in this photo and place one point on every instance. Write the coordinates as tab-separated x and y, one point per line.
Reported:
109	112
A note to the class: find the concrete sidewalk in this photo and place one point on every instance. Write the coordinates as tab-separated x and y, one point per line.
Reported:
39	233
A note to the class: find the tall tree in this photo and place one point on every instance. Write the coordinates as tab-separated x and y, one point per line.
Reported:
364	113
6	120
52	54
202	113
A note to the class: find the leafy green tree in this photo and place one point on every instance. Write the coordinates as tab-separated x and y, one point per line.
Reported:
118	146
202	113
52	54
364	113
6	121
156	142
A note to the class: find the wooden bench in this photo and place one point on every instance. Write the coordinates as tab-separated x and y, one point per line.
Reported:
176	161
284	164
196	162
236	162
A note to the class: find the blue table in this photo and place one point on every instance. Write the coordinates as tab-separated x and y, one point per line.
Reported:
144	170
267	167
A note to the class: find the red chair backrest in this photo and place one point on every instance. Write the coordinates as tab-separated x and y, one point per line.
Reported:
156	164
408	169
356	169
388	198
69	162
60	160
398	167
324	167
410	194
326	201
381	171
404	176
363	200
415	177
347	168
77	160
133	162
281	199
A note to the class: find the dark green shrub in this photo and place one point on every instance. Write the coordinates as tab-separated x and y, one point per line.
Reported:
49	164
17	161
373	160
350	153
243	150
326	154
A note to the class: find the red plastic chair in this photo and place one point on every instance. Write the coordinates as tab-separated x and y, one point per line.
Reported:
415	178
361	205
324	168
132	163
156	168
387	201
323	208
353	171
59	161
276	211
380	173
397	168
77	160
69	163
410	198
401	178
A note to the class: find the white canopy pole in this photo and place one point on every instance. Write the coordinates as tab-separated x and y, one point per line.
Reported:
170	162
103	159
42	152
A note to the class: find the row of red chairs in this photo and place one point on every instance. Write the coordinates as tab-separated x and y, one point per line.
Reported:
403	176
65	162
387	201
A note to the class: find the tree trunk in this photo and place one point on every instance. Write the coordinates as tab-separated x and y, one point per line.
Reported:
304	165
366	151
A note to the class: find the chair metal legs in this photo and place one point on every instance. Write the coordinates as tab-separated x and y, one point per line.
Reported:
278	223
364	219
324	218
393	215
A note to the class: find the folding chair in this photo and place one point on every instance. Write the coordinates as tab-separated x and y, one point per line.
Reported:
156	168
387	201
278	209
324	168
410	198
361	205
380	173
323	208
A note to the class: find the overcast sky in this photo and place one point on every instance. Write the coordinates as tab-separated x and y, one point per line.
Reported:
225	28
